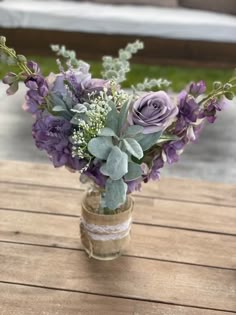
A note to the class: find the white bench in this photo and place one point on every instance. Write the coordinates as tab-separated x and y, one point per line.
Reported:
173	23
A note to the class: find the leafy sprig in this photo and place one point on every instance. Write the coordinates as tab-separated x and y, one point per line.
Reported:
116	68
68	55
8	55
149	84
221	89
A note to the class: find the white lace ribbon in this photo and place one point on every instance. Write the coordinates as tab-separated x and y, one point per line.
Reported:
107	232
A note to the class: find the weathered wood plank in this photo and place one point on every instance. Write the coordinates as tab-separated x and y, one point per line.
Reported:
125	277
194	191
150	211
22	300
152	242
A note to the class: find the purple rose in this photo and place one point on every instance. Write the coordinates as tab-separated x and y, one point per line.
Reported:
154	111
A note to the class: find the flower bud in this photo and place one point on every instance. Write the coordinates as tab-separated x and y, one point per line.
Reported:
21	58
227	86
217	85
229	95
2	40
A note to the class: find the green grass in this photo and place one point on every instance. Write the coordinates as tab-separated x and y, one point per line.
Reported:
180	76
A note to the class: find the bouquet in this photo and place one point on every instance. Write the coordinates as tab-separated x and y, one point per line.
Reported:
116	138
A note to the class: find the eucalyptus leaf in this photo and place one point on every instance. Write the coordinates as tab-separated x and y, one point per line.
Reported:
100	147
133	130
112	118
149	140
107	132
134	171
115	194
79	108
58	108
123	115
103	170
117	164
56	100
133	147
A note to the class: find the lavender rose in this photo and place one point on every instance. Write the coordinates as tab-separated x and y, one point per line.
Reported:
154	111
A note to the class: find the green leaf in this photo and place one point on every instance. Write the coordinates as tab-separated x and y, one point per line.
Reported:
123	115
117	164
115	193
165	138
112	118
107	132
133	147
134	171
56	100
133	130
100	147
149	140
58	108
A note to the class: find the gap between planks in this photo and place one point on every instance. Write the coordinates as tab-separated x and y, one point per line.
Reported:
124	255
62	302
133	222
153	242
197	217
194	190
126	277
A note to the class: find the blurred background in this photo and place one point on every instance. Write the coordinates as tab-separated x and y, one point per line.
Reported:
184	40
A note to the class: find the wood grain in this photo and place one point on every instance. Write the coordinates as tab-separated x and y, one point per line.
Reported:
148	211
171	189
23	300
125	277
151	242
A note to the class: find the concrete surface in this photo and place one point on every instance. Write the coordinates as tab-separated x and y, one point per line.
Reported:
213	158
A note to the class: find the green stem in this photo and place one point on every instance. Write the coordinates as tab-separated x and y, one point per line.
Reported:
22	66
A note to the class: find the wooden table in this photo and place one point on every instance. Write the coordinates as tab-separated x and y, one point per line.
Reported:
182	259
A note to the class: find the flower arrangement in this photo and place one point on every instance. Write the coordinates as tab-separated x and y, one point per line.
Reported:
116	138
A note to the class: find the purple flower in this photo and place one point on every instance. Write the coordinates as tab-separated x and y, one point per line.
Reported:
94	86
12	81
34	67
52	135
38	89
157	164
211	109
188	112
134	185
154	111
93	172
198	88
172	150
75	77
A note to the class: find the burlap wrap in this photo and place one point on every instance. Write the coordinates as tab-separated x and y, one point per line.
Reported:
105	236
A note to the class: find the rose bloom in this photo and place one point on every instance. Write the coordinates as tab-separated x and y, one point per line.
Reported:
154	111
